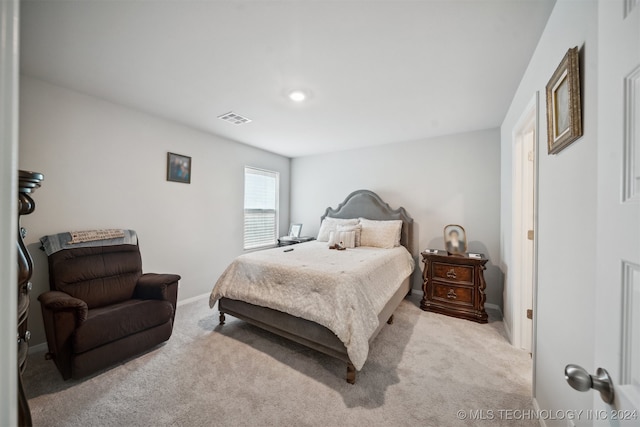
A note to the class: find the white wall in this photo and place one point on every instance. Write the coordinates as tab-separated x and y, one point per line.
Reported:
439	181
566	212
105	167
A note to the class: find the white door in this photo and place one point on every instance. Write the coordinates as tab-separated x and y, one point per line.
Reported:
524	181
617	310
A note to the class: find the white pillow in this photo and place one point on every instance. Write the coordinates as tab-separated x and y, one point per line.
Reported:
331	224
346	239
380	234
356	228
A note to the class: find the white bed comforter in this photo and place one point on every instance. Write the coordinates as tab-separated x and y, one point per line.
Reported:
341	290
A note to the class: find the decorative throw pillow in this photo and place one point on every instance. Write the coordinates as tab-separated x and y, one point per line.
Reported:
356	228
380	234
346	239
331	224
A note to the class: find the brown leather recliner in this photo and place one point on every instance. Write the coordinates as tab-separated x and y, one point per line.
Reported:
102	310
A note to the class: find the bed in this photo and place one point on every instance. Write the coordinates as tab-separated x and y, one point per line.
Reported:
333	301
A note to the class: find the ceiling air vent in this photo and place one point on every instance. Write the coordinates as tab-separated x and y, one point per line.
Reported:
234	118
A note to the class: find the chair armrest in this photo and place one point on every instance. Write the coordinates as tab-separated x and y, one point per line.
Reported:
59	301
62	314
157	286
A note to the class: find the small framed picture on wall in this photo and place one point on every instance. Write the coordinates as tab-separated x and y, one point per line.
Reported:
178	168
564	112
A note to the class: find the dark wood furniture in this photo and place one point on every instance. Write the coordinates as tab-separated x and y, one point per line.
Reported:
360	203
288	240
454	285
28	182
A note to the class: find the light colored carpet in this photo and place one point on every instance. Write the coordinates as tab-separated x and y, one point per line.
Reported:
421	370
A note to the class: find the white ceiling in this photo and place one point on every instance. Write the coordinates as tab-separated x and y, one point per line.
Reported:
378	71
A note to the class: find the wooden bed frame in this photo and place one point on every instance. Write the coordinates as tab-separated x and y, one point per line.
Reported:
361	203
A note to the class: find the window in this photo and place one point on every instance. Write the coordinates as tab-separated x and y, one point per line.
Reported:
260	208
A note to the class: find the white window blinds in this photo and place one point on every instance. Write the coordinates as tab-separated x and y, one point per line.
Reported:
260	207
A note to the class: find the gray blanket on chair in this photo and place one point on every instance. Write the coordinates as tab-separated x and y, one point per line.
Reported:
90	238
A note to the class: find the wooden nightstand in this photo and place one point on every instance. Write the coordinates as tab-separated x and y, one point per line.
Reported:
454	285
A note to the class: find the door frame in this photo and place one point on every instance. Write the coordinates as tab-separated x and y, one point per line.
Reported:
529	120
9	61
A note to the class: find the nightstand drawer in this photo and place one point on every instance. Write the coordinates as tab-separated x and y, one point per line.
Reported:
453	273
456	295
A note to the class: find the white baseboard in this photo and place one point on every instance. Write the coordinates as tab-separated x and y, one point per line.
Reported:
495	307
43	346
536	408
192	299
507	330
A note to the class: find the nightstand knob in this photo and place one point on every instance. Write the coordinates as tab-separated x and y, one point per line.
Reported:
452	294
451	274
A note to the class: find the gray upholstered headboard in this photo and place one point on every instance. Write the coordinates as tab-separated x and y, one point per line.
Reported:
367	204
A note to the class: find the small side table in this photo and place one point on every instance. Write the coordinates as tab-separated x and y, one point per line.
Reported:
454	285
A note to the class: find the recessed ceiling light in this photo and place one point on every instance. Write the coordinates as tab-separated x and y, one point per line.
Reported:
297	95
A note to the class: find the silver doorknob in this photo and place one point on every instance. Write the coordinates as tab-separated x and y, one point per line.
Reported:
579	378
